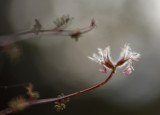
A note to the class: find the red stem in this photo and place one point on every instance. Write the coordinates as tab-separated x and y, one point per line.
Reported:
42	101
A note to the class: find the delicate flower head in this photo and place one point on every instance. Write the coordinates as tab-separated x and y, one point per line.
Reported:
104	59
127	56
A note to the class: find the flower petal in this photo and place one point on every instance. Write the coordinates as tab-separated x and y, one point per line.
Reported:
127	71
100	52
104	70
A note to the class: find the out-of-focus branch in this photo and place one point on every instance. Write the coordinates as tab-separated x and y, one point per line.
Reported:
38	32
6	111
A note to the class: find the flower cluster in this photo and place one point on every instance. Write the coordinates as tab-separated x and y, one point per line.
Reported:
18	103
32	94
61	105
127	57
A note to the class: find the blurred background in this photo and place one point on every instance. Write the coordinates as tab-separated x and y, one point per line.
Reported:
58	64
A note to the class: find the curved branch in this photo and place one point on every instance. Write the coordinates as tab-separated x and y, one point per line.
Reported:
10	39
42	101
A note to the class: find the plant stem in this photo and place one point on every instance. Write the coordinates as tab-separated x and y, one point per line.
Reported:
43	101
10	39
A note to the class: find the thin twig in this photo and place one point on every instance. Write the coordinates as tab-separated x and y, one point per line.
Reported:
42	101
10	39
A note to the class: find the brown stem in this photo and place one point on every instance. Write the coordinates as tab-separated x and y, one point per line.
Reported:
10	39
42	101
73	94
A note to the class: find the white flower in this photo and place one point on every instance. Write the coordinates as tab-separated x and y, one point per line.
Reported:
103	58
127	56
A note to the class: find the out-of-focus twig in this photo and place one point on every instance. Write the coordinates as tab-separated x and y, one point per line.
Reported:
38	31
